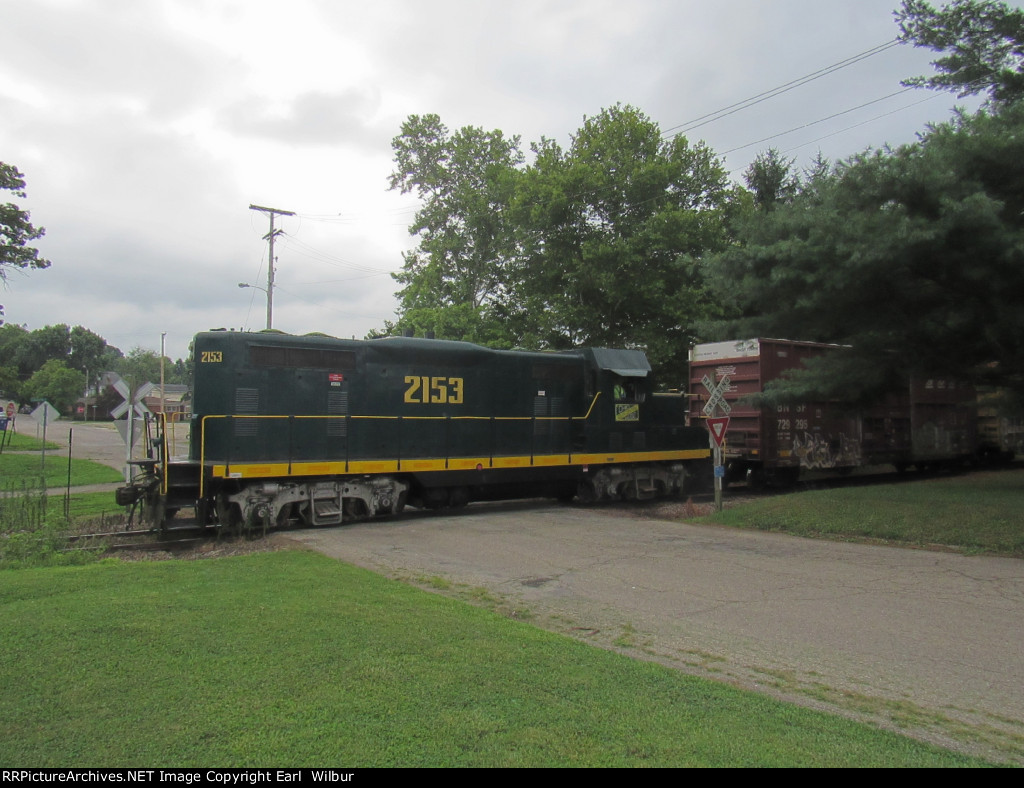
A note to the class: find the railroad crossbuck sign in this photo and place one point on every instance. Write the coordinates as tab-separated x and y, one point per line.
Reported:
716	396
717	425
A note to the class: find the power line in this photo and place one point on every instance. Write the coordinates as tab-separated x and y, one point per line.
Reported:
845	128
829	117
343	218
324	257
732	109
862	123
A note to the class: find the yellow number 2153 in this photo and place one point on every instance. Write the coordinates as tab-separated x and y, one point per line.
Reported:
423	390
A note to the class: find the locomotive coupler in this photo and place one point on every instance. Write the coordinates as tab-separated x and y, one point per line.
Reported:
140	485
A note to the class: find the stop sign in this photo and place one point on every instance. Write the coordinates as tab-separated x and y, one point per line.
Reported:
10	410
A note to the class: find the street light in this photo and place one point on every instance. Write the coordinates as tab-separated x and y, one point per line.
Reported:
270	301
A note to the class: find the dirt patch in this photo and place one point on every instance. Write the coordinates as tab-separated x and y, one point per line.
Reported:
215	548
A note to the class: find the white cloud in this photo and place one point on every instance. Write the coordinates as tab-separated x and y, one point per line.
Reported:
145	128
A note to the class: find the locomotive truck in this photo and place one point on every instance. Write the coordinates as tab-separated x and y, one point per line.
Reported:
313	430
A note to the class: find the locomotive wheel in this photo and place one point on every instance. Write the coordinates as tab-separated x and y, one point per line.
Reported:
288	516
458	497
355	509
204	515
435	498
228	515
586	493
565	495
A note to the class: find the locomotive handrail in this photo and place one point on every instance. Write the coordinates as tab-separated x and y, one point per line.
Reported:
204	419
165	452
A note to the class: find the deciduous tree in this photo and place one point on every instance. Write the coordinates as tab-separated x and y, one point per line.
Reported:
465	181
57	384
140	366
16	230
595	244
618	223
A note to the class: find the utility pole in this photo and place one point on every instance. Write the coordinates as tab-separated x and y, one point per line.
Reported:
163	399
270	272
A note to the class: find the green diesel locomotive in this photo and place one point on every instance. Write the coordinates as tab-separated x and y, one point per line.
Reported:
314	430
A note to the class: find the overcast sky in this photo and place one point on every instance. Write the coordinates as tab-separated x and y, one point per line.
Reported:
146	128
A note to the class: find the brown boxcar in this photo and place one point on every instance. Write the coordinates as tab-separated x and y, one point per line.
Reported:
927	423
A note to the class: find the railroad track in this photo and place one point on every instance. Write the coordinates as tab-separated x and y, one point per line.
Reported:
186	534
177	538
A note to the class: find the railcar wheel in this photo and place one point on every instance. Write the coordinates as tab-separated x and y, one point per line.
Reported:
788	477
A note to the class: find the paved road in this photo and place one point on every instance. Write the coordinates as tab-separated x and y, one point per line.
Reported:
932	638
99	442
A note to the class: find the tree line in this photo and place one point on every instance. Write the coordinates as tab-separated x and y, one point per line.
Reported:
60	364
632	237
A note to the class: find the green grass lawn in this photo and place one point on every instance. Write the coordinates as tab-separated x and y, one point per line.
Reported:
15	441
88	506
294	659
18	468
977	512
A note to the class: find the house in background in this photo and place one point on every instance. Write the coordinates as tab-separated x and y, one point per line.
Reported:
176	400
109	400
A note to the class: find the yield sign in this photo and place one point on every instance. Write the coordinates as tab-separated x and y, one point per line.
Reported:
718	426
